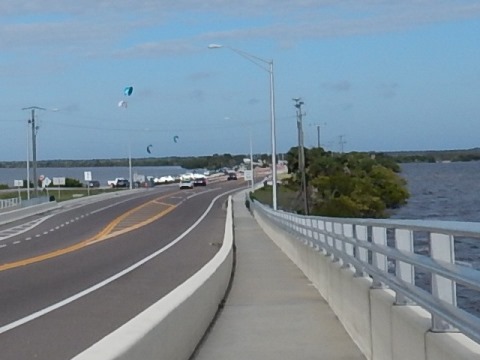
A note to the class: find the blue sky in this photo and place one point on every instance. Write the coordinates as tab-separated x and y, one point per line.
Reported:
380	75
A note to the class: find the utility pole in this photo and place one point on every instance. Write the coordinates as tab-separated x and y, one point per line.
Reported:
318	133
34	146
341	142
301	153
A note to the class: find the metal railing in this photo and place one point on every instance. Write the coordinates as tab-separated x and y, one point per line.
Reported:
415	258
9	203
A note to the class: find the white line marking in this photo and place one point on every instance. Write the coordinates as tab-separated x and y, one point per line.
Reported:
16	242
101	284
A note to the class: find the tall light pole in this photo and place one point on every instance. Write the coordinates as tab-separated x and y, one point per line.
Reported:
34	146
258	61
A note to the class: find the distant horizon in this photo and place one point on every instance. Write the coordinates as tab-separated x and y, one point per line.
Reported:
151	158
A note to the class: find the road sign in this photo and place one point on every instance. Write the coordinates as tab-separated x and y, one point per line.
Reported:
18	183
46	182
87	175
58	181
248	175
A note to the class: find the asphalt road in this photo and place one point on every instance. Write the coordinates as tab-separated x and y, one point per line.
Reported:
70	277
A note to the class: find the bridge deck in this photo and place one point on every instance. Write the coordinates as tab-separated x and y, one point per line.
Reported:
272	311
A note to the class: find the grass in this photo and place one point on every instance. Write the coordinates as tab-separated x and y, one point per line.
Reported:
286	198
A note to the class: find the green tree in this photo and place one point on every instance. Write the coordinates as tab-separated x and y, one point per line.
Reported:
349	185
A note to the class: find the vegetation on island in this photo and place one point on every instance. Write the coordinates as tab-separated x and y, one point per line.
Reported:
356	185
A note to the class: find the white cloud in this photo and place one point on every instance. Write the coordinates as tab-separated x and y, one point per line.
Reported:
102	23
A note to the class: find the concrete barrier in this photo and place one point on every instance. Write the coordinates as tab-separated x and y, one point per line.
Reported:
172	328
381	329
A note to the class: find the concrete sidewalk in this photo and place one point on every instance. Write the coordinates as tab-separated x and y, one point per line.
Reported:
272	311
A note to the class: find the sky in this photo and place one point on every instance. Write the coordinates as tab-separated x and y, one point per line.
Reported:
373	75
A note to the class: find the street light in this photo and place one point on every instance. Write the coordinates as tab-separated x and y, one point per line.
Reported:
257	61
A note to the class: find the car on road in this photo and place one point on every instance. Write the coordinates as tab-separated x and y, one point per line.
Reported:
200	181
186	183
232	176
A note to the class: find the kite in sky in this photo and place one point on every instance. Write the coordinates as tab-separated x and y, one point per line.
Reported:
175	138
128	90
122	103
148	148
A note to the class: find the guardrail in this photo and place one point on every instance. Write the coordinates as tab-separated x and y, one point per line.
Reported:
9	203
415	259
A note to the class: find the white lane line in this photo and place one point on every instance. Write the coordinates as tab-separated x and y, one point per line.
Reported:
17	230
28	238
105	282
38	235
2	246
16	242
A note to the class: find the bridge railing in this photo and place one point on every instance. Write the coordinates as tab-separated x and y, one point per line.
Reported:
414	258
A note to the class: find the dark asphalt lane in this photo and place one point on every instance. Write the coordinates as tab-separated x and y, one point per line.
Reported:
68	330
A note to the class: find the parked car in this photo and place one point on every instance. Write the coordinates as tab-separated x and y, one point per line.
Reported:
93	183
113	183
122	183
186	183
232	176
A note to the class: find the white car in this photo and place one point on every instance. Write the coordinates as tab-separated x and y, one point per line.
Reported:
186	183
164	180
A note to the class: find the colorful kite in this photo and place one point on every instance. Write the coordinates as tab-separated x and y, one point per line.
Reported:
128	90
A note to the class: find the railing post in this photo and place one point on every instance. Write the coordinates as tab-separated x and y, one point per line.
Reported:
348	247
442	249
329	229
338	244
404	271
362	253
379	237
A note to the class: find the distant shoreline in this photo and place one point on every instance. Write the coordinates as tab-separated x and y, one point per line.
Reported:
193	162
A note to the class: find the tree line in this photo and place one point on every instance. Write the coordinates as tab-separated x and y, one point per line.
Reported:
215	161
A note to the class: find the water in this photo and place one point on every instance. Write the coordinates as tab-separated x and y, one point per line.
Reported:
102	174
446	191
442	191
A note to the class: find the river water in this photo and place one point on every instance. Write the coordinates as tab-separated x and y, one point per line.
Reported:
442	191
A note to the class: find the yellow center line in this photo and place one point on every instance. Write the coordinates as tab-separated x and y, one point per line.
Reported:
105	234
